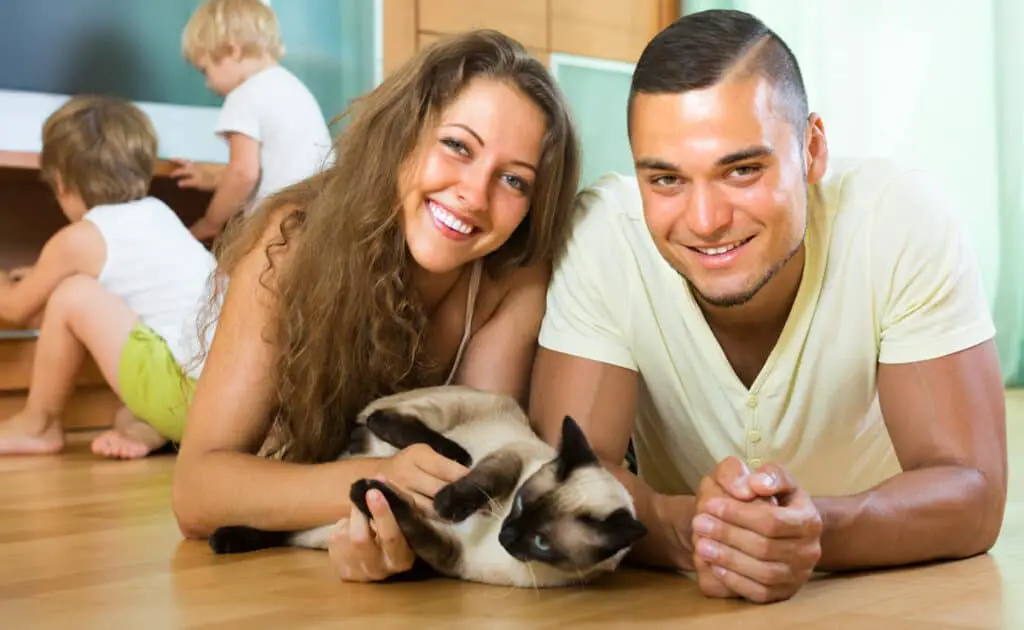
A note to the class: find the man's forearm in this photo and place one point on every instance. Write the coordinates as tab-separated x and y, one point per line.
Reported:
917	516
668	544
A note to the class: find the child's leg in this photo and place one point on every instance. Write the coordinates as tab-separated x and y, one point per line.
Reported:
130	438
80	316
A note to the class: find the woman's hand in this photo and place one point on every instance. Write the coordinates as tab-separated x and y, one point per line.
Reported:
361	551
419	472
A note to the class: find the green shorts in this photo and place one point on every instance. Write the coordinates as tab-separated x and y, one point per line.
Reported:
153	386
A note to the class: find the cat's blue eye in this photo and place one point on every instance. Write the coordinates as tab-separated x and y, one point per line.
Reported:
540	542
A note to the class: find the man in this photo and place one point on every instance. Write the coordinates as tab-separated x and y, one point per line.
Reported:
800	351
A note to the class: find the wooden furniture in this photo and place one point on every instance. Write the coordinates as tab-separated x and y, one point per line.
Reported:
614	30
92	544
29	215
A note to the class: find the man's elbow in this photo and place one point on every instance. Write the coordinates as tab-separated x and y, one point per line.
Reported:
988	511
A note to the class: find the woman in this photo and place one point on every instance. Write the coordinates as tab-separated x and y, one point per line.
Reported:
420	257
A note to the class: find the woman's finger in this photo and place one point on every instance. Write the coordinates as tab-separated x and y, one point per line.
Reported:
441	469
395	549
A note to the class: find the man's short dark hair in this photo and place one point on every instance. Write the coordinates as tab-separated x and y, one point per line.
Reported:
701	49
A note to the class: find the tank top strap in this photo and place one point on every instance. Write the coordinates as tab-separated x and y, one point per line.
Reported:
474	286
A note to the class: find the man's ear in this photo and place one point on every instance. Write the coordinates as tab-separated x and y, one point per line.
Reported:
815	149
574	451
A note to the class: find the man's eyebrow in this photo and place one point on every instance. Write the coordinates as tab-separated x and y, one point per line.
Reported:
658	164
655	164
744	154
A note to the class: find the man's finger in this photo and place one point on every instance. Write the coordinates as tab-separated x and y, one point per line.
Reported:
749	589
772	480
751	543
732	475
763	518
709	584
763	572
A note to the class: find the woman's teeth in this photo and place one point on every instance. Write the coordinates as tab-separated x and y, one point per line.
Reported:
449	219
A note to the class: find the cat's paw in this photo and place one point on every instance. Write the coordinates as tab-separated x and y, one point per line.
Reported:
358	496
240	539
357	493
456	503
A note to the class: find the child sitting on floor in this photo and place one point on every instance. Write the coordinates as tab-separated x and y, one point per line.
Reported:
275	130
123	282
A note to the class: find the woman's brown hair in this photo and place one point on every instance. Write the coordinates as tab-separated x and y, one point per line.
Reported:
349	327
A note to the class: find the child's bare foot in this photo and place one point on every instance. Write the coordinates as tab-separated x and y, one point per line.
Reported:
130	438
28	434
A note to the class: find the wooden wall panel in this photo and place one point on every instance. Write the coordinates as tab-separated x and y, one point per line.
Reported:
525	20
399	33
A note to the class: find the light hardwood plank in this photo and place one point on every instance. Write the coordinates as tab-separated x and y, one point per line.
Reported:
87	543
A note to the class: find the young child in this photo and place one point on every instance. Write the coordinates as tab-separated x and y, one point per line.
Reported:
274	128
125	282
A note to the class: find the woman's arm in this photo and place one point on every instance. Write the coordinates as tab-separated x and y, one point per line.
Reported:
499	357
218	478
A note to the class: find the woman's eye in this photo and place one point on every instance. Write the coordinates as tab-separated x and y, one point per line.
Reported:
455	145
540	542
515	182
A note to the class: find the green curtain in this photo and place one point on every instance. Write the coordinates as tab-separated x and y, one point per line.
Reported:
932	82
329	45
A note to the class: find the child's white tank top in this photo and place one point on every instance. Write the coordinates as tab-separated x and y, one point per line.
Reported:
156	266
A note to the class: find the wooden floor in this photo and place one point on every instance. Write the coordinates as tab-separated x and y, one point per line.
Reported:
86	543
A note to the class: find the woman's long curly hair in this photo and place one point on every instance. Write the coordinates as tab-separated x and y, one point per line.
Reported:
349	326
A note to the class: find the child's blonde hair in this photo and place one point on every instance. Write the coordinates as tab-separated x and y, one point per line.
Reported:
103	148
218	24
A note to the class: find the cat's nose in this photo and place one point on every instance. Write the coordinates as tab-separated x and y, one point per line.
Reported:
508	536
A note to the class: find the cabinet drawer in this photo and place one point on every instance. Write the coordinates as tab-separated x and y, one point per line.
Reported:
524	20
425	39
16	357
608	29
88	407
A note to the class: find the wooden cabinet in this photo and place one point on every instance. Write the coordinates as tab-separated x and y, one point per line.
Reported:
615	30
590	46
29	215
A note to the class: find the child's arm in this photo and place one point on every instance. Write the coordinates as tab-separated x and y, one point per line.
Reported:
237	182
77	248
199	176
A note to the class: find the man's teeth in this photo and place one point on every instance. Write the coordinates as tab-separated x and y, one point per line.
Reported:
715	251
449	219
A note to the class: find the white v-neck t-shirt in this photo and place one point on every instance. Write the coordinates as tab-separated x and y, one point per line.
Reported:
889	277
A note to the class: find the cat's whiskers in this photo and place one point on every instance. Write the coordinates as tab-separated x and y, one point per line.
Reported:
533	577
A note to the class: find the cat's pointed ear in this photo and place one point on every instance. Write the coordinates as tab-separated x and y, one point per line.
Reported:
574	450
620	529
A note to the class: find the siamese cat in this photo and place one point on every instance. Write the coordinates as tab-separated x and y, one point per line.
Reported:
525	515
